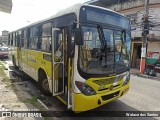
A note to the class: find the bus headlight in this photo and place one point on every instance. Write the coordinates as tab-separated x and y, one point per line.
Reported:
85	89
126	78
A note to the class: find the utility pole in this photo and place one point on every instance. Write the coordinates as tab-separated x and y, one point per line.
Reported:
144	36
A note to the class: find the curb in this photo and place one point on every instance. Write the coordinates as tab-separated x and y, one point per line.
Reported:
147	76
42	104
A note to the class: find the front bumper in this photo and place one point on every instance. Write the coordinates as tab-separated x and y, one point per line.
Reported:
84	103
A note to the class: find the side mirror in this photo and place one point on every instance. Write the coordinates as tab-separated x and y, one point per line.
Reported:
78	37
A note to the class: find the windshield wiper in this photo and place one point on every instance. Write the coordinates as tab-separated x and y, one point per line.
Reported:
103	43
102	38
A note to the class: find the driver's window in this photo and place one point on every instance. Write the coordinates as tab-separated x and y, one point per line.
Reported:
88	39
91	38
91	43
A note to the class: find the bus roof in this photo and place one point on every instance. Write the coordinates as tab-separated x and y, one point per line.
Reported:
73	9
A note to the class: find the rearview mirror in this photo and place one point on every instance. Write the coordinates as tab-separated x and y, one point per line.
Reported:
78	37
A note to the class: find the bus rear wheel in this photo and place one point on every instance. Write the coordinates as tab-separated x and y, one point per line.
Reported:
43	84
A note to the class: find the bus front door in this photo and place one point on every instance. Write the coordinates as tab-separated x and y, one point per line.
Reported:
57	62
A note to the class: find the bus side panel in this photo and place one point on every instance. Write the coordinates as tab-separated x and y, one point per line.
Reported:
24	59
33	59
18	56
10	52
36	60
45	64
39	60
14	54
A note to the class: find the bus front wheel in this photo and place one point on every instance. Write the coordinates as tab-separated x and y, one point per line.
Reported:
43	84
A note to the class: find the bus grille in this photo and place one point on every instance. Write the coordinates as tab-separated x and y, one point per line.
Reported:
104	81
107	97
108	87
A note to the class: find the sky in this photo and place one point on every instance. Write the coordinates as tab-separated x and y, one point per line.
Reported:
25	12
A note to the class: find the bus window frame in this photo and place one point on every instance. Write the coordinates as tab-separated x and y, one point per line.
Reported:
22	38
41	36
86	75
83	17
32	38
19	38
11	39
14	39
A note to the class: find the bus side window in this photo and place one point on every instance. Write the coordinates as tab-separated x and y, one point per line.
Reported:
18	39
22	39
46	37
33	39
27	36
11	39
14	39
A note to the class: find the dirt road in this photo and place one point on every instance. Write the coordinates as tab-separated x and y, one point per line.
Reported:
15	96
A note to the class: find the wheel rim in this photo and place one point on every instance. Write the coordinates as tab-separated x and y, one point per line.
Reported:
45	85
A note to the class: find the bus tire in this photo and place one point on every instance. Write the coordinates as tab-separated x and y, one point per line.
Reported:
43	83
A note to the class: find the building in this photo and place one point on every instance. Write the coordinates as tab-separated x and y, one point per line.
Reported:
5	6
4	37
134	10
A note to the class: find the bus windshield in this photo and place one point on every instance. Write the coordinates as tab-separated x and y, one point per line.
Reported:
104	50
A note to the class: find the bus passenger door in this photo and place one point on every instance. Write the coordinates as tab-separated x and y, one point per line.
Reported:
57	62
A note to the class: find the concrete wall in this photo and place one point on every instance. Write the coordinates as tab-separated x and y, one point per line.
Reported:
126	5
131	7
137	7
130	4
153	47
154	19
4	37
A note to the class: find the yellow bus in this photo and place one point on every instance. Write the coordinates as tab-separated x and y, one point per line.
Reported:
81	55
